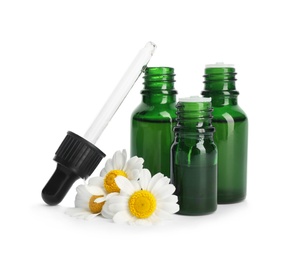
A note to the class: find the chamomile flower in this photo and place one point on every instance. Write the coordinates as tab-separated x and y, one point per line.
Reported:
89	201
146	201
118	165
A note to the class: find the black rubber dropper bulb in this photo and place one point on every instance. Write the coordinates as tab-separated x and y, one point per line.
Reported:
78	157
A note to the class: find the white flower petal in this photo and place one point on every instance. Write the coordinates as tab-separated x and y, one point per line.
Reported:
80	213
164	192
134	163
119	160
105	212
91	216
133	175
82	198
136	185
159	184
118	199
144	178
96	181
95	190
168	207
124	184
100	199
122	216
154	180
170	199
83	191
107	168
166	180
155	219
162	214
110	195
124	154
83	204
116	207
103	172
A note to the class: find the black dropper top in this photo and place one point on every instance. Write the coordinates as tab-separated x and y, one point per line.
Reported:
76	158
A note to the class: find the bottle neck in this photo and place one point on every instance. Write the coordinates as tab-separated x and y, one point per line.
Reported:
219	84
159	86
194	119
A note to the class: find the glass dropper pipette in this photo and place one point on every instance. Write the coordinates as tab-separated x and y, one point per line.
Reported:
119	93
78	157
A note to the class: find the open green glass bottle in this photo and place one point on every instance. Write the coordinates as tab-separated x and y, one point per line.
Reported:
153	120
194	157
231	135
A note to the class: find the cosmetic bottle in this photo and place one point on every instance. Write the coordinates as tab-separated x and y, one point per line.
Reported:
231	135
153	120
194	157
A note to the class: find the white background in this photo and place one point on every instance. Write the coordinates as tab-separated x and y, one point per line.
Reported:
60	60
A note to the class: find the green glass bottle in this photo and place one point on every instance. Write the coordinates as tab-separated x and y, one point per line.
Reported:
153	120
231	136
194	157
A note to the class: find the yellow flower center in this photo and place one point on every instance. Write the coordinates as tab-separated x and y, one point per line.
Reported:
109	180
94	206
142	204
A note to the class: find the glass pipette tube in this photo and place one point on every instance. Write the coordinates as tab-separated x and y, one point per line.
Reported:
119	93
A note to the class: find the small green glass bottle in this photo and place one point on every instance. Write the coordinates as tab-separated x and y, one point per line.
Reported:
153	120
194	157
231	136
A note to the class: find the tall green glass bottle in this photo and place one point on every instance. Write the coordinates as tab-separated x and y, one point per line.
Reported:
231	136
194	157
153	120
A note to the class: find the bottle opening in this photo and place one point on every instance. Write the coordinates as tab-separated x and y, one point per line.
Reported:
219	65
195	99
159	71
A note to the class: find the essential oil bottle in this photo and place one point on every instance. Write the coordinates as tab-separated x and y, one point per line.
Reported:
231	135
194	157
153	120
